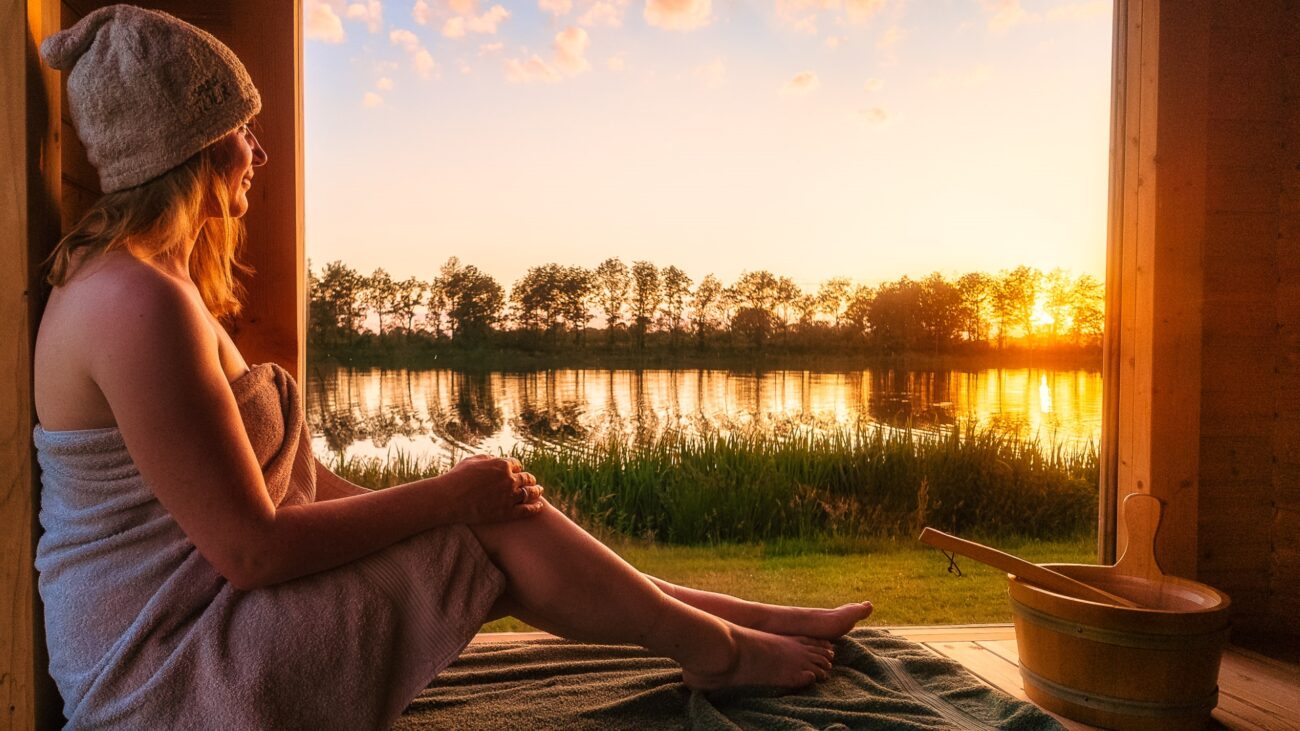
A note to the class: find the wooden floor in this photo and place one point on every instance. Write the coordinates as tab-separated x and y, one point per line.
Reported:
1255	692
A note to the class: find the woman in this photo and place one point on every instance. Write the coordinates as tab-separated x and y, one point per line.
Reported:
199	567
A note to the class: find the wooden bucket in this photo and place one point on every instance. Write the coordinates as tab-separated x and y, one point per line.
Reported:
1153	667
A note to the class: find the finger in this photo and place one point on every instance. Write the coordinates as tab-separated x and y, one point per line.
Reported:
515	465
528	478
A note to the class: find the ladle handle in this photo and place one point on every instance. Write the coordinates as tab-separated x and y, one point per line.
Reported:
1030	572
1141	522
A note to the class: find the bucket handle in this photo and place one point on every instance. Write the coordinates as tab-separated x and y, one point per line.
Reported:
1142	514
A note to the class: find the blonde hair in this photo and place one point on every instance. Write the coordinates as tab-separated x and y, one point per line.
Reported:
155	219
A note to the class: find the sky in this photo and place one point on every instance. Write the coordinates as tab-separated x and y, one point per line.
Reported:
813	138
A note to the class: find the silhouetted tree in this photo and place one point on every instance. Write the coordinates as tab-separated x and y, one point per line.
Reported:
705	306
611	283
832	297
1087	309
976	293
646	295
676	288
474	302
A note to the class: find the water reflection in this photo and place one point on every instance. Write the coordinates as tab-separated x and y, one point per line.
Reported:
445	413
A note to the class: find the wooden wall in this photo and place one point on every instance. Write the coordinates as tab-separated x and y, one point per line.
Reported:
1250	425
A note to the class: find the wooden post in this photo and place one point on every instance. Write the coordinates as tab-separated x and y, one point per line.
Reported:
1160	233
29	226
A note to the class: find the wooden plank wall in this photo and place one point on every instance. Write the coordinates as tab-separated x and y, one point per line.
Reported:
1284	588
1249	438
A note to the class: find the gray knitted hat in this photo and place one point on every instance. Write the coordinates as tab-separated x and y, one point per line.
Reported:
147	91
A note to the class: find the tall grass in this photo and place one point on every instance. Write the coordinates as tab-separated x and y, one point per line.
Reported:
838	484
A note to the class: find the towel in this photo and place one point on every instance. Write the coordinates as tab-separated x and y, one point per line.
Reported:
143	633
879	681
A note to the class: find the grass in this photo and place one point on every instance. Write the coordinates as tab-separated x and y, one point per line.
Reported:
802	484
908	583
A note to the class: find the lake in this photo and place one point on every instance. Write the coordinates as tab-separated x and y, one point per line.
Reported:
446	414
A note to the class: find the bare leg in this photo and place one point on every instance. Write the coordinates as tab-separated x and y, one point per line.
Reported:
828	624
566	582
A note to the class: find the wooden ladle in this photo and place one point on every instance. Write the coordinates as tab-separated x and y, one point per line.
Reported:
1030	572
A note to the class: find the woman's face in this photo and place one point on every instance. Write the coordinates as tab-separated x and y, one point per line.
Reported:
234	157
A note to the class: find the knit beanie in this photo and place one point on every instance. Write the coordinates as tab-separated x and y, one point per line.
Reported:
147	91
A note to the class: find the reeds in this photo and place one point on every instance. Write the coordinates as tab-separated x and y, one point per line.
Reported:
805	484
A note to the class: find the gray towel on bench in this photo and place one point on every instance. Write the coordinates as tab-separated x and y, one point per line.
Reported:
880	681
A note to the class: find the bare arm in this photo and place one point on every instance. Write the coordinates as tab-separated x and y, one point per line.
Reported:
156	361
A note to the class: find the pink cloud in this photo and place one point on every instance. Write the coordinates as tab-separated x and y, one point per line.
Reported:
404	38
370	12
802	83
712	74
420	13
571	49
555	7
531	70
372	100
485	24
604	13
322	23
678	14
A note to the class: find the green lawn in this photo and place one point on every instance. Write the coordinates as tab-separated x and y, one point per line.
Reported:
907	582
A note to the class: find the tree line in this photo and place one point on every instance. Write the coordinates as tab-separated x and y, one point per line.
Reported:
632	308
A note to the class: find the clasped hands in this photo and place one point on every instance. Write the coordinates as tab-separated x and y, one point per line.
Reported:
490	489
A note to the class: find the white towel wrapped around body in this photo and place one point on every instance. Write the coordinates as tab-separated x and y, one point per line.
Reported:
144	633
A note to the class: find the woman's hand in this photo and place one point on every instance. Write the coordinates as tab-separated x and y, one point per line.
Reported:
484	489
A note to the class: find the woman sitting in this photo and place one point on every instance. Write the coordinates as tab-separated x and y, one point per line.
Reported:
199	567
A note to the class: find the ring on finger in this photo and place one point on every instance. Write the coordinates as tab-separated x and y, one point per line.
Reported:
523	496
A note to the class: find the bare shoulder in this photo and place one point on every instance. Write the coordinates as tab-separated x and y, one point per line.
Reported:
121	321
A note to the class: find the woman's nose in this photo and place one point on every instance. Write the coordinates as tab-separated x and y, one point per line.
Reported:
259	155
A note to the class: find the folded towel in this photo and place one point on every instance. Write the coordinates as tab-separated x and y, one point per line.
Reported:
879	681
144	633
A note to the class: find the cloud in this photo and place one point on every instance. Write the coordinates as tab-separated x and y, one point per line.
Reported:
372	100
425	66
486	48
1086	10
404	38
555	7
887	45
322	23
616	63
873	85
421	60
604	13
1004	14
530	71
464	67
802	83
370	12
384	83
571	50
834	42
678	14
874	115
485	24
420	13
569	59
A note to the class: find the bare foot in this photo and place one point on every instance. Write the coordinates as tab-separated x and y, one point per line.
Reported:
761	658
826	624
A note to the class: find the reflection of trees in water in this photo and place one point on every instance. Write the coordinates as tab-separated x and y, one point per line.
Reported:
551	422
341	429
919	399
473	415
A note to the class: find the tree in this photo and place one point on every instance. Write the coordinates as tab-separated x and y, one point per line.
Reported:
1087	309
705	304
976	292
408	294
377	295
611	284
646	296
1014	293
338	292
857	311
753	324
474	301
939	311
894	315
537	299
1058	296
785	302
676	288
832	297
577	286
